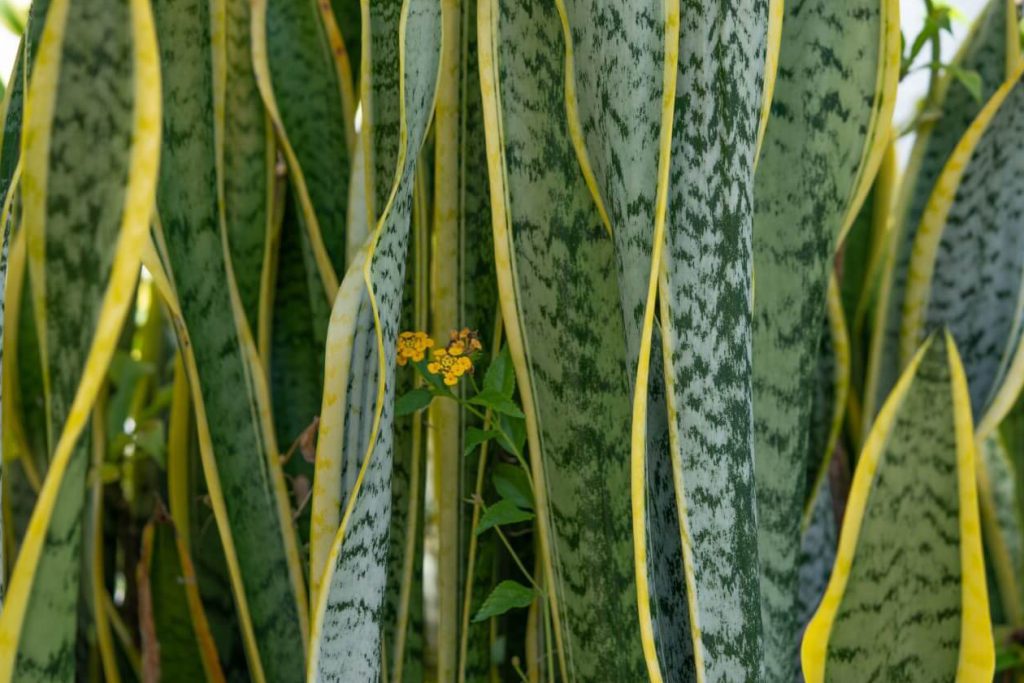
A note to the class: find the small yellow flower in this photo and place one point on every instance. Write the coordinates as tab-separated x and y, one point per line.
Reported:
412	346
463	342
449	366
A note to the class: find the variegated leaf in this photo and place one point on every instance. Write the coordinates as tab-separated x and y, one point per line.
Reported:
984	51
236	435
828	114
86	213
966	269
907	598
347	627
557	279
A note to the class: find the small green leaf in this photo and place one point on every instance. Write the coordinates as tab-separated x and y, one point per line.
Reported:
499	403
971	80
512	485
151	438
502	512
501	376
475	437
505	596
515	428
417	399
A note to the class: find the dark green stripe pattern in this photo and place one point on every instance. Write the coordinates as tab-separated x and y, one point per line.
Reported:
351	632
813	146
899	618
708	328
575	346
978	273
305	84
187	203
984	53
84	202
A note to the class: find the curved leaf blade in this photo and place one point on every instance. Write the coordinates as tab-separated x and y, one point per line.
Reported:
907	593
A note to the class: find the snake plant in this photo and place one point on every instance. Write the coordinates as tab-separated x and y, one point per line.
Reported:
485	340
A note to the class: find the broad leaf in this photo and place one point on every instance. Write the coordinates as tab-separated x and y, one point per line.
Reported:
967	266
505	596
950	112
830	120
907	597
561	306
236	435
502	512
78	202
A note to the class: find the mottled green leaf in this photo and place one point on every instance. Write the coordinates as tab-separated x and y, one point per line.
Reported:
86	213
347	628
907	599
966	270
950	111
239	453
299	80
706	331
250	157
558	281
1003	531
819	139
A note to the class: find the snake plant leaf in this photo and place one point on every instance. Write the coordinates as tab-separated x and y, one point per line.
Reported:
860	266
169	603
967	265
829	401
558	283
621	62
907	598
347	15
1002	530
818	543
380	100
249	159
833	70
402	613
706	331
339	448
239	453
10	133
299	81
347	628
985	51
299	330
77	201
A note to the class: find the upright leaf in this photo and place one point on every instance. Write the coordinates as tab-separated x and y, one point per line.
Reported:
347	628
558	285
951	108
967	266
463	293
239	453
298	77
907	598
86	212
250	157
834	81
706	330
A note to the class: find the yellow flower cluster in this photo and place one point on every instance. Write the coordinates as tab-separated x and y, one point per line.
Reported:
412	346
463	342
450	366
451	362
